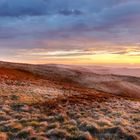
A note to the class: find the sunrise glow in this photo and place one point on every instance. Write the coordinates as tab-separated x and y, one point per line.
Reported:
81	32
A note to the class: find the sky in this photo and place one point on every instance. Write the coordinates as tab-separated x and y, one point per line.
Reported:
70	31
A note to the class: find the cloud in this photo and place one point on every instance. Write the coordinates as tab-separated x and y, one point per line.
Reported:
56	54
70	12
8	33
67	24
126	13
16	8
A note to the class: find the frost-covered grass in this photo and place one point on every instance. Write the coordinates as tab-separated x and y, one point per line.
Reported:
36	109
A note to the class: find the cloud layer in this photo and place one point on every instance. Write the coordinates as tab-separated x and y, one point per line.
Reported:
69	25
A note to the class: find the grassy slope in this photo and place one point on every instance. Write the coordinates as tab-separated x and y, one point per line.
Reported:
49	102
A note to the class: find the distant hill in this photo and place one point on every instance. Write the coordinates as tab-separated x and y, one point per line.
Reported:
98	78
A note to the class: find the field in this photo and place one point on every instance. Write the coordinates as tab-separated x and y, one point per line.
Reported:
57	102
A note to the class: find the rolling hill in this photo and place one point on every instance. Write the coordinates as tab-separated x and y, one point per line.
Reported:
67	102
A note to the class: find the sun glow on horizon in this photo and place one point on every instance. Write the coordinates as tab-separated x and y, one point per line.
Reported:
79	57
